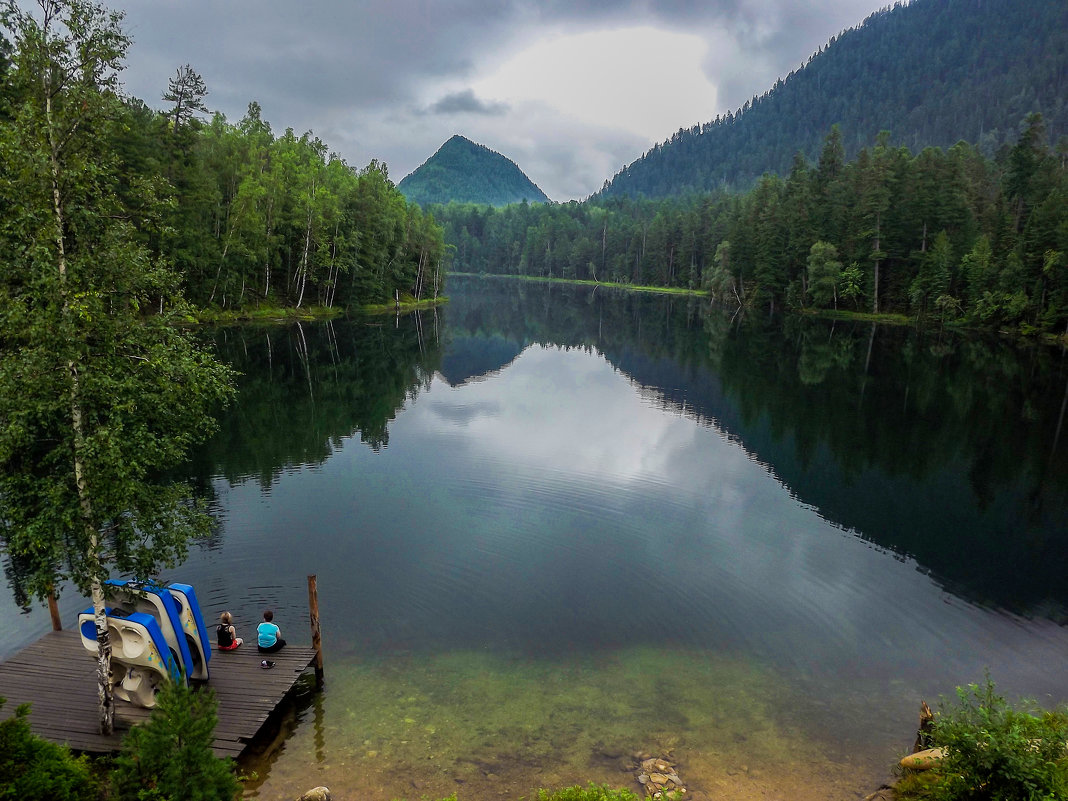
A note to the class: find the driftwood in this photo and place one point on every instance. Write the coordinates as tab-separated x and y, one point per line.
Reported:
925	733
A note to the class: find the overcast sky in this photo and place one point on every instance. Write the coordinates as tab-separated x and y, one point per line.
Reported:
571	90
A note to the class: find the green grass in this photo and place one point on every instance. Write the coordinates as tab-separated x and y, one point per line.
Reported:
408	304
283	314
859	316
659	290
592	792
265	314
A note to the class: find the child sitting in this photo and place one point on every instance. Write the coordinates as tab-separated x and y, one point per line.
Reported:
228	639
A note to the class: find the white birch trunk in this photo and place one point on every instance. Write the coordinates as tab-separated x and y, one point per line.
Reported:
104	694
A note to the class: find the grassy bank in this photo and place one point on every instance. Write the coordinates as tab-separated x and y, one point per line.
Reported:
882	318
858	316
658	290
279	314
405	305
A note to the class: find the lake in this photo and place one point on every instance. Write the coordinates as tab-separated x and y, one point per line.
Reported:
555	526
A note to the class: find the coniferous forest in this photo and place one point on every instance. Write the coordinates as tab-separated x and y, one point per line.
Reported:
932	72
946	234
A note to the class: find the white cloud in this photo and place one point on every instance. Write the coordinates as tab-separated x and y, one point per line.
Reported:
642	80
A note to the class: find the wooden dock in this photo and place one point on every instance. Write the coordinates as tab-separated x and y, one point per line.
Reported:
57	676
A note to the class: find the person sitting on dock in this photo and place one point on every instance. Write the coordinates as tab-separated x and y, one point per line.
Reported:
268	635
228	639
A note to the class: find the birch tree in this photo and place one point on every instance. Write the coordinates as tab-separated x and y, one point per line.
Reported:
98	392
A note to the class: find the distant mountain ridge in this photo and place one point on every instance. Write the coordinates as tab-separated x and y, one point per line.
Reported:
467	172
932	72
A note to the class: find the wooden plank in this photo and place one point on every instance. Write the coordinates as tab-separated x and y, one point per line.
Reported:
56	676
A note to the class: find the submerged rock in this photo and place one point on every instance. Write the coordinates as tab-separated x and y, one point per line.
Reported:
659	778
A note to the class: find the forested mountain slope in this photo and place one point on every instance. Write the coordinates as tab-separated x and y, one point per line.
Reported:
466	172
932	72
948	234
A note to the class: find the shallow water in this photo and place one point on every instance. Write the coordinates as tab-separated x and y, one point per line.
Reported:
553	529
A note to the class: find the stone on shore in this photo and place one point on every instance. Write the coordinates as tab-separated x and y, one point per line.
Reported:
923	760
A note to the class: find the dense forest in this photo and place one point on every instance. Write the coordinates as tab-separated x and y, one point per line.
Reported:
247	217
933	72
943	233
466	172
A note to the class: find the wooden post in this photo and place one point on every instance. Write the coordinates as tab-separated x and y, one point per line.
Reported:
53	609
317	640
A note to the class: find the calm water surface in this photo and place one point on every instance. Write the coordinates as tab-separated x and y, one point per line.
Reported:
554	527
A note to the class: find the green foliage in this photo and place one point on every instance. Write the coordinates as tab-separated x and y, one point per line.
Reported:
949	234
592	792
996	752
33	769
282	221
934	72
169	757
466	172
824	274
99	391
933	278
244	215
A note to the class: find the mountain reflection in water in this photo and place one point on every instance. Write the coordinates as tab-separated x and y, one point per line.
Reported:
553	522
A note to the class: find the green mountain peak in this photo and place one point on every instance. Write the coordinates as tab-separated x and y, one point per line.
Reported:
467	172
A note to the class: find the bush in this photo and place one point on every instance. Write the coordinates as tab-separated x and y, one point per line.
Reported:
996	752
169	757
33	769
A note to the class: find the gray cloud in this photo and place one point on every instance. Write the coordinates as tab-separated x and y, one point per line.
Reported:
363	75
465	102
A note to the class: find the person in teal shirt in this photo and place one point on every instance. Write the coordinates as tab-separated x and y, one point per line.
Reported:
268	635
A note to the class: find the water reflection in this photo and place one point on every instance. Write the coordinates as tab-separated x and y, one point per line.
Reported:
686	526
305	388
943	448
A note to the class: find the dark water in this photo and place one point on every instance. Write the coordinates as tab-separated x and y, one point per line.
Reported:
555	526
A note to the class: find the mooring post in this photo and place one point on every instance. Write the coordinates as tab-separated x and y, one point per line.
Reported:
317	639
53	609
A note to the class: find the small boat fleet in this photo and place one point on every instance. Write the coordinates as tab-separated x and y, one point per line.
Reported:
157	635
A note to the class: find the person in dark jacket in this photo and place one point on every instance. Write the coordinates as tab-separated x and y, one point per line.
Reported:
227	634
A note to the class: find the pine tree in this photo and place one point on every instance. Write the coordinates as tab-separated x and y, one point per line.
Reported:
186	90
169	757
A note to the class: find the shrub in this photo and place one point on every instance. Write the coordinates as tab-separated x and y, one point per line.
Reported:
996	752
169	757
33	769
